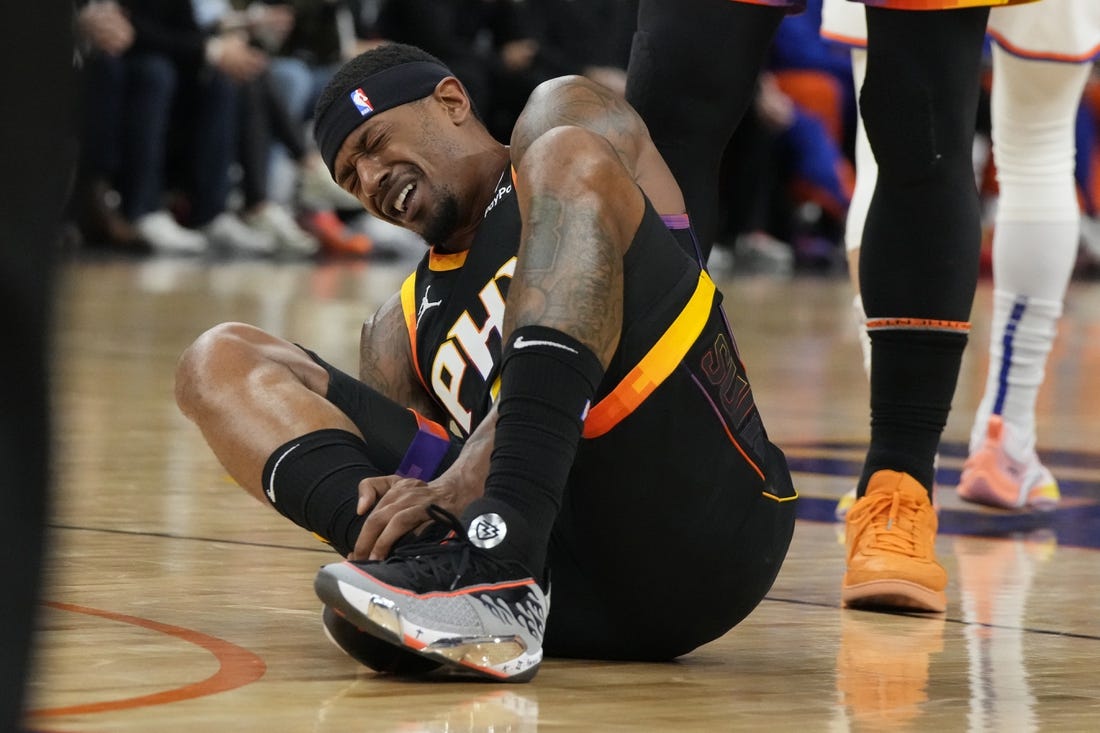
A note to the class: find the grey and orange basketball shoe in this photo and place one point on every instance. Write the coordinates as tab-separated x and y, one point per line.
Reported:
451	602
369	650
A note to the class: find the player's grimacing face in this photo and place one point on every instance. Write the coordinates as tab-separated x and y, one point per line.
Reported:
396	164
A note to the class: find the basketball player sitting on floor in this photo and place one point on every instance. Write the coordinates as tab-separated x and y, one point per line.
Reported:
598	433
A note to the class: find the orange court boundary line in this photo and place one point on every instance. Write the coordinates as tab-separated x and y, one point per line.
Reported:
237	667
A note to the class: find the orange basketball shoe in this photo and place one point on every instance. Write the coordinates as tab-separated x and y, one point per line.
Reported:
882	669
991	476
891	536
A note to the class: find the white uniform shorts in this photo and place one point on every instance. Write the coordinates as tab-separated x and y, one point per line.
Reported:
1051	30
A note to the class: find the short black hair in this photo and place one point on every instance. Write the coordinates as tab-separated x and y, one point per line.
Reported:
365	64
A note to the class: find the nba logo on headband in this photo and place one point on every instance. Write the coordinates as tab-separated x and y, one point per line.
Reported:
373	94
361	102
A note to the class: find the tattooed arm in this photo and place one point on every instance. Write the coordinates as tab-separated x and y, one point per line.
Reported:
386	362
580	102
582	160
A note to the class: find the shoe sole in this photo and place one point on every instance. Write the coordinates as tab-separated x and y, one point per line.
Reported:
895	594
980	489
372	651
379	617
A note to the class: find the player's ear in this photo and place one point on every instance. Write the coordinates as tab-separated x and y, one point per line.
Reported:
452	95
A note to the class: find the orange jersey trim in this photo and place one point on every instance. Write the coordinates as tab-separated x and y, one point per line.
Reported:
408	307
429	425
938	4
917	324
793	6
656	365
444	261
1024	53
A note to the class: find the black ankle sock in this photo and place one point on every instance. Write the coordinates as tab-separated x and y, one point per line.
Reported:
913	376
314	480
548	380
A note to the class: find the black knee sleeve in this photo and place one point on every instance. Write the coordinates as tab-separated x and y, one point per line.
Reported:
896	102
314	480
919	100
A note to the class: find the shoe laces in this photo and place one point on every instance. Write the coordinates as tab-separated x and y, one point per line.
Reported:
892	522
443	564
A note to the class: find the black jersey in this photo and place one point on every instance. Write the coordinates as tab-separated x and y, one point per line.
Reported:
454	309
673	445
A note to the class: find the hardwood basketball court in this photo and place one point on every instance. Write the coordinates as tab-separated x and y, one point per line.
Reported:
175	602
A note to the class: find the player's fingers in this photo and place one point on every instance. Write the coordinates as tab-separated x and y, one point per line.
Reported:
368	535
396	491
370	489
400	524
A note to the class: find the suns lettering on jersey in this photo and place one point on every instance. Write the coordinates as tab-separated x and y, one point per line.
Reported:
721	369
468	345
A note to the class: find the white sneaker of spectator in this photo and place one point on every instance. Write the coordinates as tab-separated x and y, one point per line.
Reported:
317	190
227	230
273	219
165	235
761	253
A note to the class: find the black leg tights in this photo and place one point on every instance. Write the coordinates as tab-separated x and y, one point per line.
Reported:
692	74
37	156
919	258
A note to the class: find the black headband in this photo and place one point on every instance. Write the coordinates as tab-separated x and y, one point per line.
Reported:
378	92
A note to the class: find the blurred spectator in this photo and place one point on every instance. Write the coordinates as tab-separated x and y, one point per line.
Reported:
483	42
788	171
103	34
206	83
590	38
182	76
326	33
263	118
543	39
816	74
786	186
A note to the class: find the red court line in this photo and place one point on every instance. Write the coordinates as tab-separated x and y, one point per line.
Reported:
237	667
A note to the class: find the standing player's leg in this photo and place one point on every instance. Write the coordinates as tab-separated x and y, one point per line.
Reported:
866	173
37	156
1035	243
918	272
692	75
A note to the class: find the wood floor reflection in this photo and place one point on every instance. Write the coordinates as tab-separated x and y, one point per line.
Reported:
174	602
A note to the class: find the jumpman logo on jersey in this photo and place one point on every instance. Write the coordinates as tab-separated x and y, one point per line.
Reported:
426	305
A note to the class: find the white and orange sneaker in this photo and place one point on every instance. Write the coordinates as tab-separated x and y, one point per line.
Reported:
992	477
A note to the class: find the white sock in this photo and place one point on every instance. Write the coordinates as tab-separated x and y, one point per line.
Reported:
1036	233
1021	337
